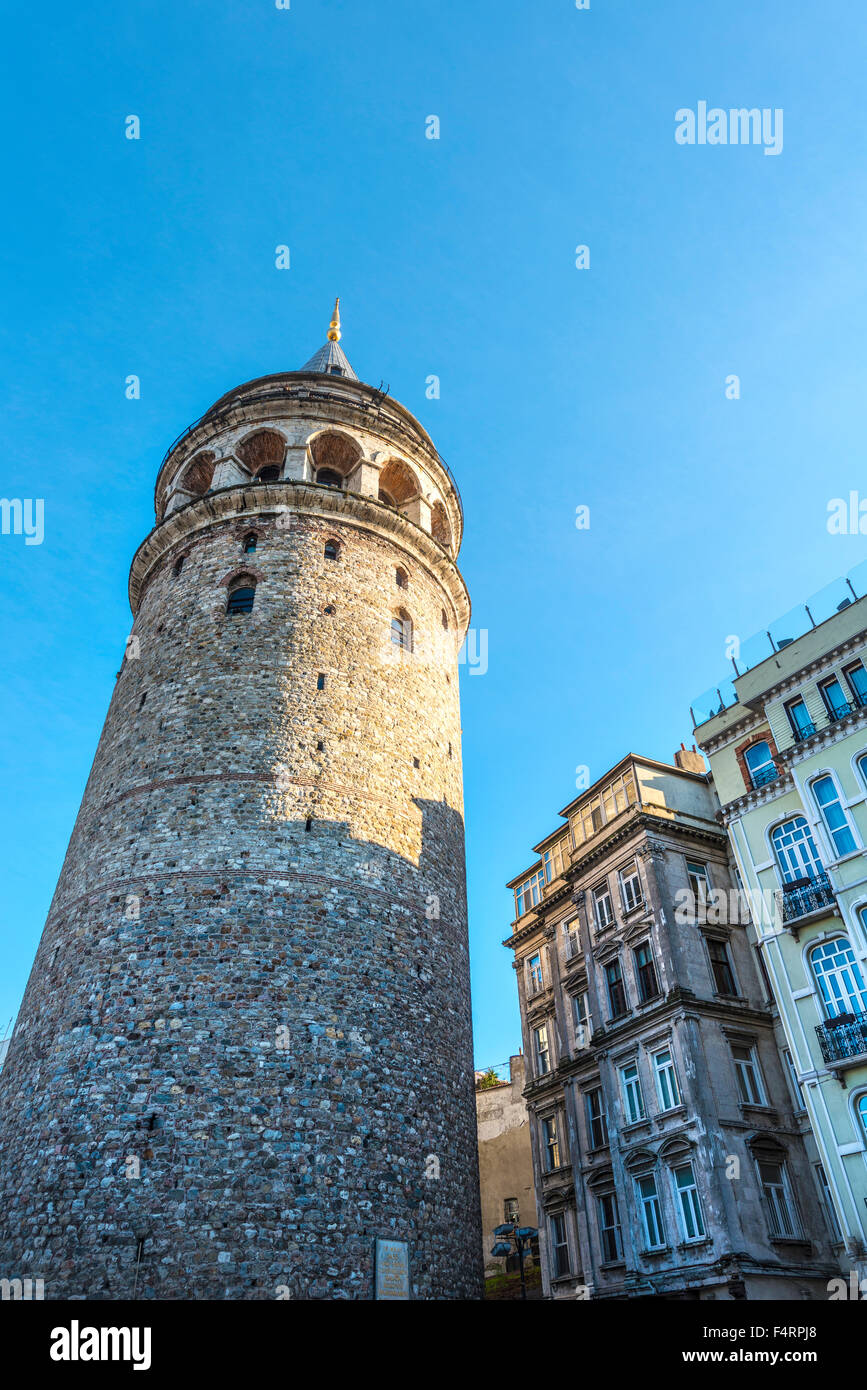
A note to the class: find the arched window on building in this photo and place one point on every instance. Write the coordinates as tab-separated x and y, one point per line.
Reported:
796	850
329	478
250	543
269	474
861	1107
401	578
332	550
839	977
401	631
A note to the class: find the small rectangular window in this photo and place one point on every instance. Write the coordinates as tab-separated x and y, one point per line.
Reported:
651	1213
856	677
799	718
748	1077
779	1207
603	910
645	970
581	1019
559	1247
666	1080
534	973
616	992
834	697
552	1144
723	976
633	1100
688	1202
832	813
320	681
609	1228
828	1203
543	1055
597	1122
630	888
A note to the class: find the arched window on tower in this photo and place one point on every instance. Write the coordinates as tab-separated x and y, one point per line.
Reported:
250	543
329	478
401	578
269	474
241	597
401	631
332	550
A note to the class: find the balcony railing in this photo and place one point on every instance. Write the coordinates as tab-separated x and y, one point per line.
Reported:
805	896
843	1036
764	775
806	730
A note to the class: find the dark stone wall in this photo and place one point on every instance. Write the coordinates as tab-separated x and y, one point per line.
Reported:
245	1048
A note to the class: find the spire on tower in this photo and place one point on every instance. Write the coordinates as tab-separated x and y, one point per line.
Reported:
331	359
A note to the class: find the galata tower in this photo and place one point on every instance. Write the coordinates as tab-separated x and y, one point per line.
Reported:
242	1068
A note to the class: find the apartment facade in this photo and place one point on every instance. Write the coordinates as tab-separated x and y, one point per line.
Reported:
667	1155
788	752
505	1160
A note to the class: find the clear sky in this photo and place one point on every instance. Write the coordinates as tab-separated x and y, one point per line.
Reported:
560	387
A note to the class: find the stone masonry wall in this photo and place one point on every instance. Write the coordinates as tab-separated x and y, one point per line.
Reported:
245	1051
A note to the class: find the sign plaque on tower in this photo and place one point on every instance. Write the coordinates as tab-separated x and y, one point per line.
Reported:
392	1270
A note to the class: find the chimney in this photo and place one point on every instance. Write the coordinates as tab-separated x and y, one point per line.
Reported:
689	759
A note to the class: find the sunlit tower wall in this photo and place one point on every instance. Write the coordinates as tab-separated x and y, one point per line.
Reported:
244	1052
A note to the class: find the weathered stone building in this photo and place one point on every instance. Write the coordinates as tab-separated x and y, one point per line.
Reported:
505	1158
244	1052
668	1159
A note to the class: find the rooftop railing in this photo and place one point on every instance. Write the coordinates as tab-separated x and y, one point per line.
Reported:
832	599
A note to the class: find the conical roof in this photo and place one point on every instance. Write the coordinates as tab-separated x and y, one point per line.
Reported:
331	359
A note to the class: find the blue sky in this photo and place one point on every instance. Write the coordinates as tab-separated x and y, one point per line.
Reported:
602	387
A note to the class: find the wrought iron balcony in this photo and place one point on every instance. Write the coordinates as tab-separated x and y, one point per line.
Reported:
806	730
804	896
764	775
836	712
842	1037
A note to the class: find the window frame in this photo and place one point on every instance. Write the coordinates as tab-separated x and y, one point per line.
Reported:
561	1267
633	1095
688	1203
611	1253
542	1051
535	974
650	1211
771	1203
616	988
597	1121
822	807
551	1143
719	944
666	1079
630	875
854	992
748	1074
644	971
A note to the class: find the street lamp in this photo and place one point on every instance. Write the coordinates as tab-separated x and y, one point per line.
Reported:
522	1236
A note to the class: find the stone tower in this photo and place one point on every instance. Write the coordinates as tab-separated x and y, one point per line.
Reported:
244	1053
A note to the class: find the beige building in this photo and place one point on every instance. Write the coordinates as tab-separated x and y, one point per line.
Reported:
787	744
668	1160
505	1158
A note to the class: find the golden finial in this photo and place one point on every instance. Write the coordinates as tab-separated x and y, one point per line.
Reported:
334	325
